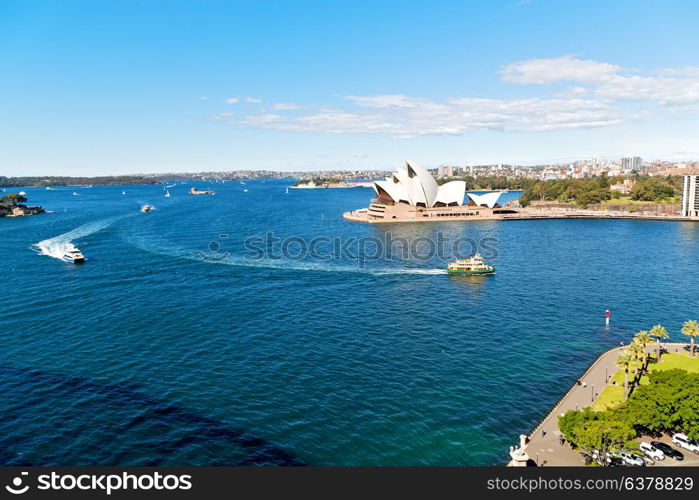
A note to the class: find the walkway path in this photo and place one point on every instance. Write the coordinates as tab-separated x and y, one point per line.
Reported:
544	447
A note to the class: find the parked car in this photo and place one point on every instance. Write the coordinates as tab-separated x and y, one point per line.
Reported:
651	451
683	441
647	460
630	459
668	450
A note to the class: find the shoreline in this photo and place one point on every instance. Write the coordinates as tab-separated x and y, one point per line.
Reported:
542	441
361	215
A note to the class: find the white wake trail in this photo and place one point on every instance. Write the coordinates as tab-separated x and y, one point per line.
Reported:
57	246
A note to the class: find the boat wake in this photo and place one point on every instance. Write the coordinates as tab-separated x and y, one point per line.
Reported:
286	265
57	246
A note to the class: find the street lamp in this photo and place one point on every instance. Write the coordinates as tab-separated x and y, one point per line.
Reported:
593	393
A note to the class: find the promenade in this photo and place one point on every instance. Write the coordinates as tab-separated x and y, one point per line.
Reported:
362	215
544	445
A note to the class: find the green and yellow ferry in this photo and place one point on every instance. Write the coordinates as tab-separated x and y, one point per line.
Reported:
471	266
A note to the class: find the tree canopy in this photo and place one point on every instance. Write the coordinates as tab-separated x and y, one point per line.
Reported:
12	199
669	402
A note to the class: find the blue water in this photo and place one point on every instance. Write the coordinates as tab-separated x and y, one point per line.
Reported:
170	347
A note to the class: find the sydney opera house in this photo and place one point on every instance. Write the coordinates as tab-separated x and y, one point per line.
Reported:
411	194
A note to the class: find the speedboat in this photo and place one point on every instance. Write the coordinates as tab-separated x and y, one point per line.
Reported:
73	255
472	266
146	208
167	194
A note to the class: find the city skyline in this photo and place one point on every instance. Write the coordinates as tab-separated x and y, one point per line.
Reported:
130	88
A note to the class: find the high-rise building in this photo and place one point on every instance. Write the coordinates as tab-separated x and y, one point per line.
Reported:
690	196
630	163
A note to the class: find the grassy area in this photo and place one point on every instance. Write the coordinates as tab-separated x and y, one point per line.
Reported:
613	395
626	201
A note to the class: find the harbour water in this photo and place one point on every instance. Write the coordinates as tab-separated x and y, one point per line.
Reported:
178	343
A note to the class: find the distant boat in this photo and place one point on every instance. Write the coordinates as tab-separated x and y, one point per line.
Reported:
75	194
123	192
245	190
167	194
196	191
21	193
146	208
287	189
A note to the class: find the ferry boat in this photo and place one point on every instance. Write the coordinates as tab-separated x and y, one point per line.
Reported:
471	266
146	208
73	255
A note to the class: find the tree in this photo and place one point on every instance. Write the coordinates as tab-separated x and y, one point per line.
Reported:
13	199
691	328
623	360
636	349
658	332
597	432
669	401
643	339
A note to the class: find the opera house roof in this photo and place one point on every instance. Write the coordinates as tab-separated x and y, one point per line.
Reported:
414	185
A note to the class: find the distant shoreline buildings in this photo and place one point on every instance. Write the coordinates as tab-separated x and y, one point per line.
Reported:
627	166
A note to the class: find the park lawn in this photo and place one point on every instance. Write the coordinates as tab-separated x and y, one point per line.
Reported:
670	361
627	201
613	395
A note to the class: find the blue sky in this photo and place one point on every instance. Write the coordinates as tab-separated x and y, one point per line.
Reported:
93	88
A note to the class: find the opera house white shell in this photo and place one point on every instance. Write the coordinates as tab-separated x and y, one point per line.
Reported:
415	186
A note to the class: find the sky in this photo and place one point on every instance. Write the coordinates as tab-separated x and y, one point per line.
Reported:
100	88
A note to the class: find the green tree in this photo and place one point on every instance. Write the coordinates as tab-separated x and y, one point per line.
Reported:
13	199
691	328
636	349
623	360
644	339
658	332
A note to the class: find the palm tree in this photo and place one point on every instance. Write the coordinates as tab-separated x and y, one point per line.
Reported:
636	349
623	360
691	328
658	332
643	339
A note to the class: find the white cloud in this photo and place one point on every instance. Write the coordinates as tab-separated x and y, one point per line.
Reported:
416	116
232	100
203	98
663	90
253	100
595	102
557	69
683	71
571	92
286	106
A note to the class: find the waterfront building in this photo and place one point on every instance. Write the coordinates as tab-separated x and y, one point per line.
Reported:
411	194
690	196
